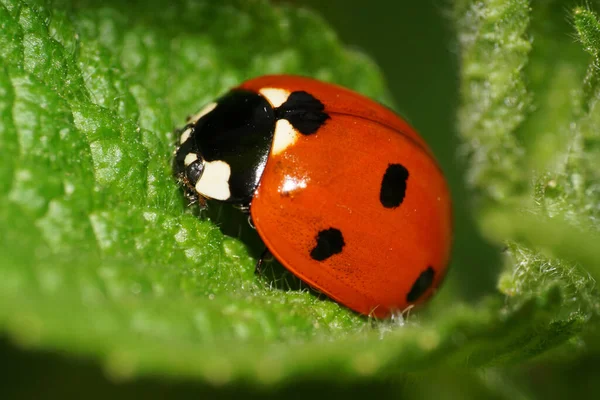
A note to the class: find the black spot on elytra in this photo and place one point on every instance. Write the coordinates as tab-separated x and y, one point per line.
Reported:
421	285
303	111
393	186
329	242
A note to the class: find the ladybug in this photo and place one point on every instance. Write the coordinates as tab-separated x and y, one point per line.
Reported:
343	192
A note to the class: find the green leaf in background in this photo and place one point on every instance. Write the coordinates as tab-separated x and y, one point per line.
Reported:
101	258
530	142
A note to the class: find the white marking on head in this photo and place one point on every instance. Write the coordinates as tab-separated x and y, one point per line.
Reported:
275	96
285	136
214	182
190	158
208	108
185	136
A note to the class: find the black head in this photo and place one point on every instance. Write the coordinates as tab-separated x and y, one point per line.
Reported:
224	148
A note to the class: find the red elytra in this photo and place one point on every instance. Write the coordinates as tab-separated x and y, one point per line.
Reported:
359	210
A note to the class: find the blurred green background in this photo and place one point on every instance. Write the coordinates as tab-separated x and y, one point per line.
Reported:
412	42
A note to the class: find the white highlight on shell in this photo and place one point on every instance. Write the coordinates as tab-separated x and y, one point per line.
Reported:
185	136
190	158
214	182
208	108
285	136
275	96
291	184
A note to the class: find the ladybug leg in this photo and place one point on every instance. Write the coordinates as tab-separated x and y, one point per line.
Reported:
251	223
266	256
245	208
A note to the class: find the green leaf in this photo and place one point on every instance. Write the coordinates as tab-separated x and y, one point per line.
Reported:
102	258
527	121
494	53
101	255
